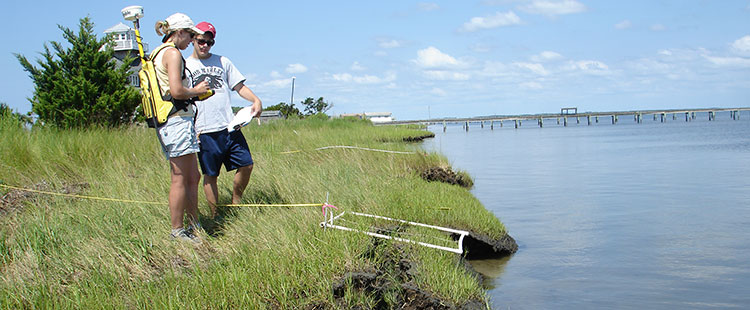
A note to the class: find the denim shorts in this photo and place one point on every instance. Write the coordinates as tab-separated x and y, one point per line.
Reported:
223	148
178	137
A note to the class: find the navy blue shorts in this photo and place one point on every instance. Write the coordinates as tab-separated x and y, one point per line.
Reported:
222	147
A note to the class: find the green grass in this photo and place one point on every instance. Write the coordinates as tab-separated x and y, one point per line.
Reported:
61	252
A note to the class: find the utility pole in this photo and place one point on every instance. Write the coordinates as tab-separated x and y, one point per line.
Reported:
291	101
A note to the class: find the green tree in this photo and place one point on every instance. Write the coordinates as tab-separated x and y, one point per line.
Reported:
6	111
81	86
316	106
286	109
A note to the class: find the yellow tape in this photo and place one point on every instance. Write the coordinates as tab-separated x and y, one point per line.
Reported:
275	205
79	196
350	147
152	202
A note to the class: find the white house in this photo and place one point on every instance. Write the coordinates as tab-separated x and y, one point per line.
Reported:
126	44
379	117
374	117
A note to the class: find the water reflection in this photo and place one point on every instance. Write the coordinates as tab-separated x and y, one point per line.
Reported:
490	269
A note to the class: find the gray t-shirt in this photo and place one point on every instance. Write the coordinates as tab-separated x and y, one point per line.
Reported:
214	113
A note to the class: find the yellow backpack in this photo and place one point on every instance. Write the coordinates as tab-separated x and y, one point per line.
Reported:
158	108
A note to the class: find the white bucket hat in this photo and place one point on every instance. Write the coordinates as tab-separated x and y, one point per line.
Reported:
179	21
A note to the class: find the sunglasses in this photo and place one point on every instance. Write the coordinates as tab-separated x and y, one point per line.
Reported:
201	42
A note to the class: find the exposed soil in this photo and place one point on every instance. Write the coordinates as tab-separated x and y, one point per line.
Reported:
395	276
419	138
446	175
396	273
478	246
14	199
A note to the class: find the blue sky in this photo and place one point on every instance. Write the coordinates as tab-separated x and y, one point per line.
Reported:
443	58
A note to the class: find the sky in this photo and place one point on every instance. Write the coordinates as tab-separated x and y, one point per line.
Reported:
430	59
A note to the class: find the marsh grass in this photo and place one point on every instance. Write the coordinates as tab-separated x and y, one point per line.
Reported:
62	252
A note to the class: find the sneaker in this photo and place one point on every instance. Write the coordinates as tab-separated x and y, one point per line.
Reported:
195	229
185	235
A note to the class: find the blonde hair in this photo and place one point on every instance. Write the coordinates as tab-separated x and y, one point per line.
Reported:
162	27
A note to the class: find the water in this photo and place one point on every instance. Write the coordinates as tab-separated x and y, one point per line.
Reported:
627	216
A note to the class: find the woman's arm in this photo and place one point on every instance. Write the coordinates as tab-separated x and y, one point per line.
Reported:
172	59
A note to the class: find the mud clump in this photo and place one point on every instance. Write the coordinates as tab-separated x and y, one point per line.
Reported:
419	138
394	277
479	246
446	175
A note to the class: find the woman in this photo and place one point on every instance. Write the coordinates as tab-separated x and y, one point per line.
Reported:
177	135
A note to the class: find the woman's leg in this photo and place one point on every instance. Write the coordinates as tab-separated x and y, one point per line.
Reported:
183	192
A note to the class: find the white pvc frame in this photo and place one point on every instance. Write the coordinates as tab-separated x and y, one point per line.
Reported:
458	250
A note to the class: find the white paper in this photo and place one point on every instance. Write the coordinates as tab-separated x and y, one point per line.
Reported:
241	119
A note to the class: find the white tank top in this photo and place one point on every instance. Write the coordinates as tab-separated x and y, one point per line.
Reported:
163	77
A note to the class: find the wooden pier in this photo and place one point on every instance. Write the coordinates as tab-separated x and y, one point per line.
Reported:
565	116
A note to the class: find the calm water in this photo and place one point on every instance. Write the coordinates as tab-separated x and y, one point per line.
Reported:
626	216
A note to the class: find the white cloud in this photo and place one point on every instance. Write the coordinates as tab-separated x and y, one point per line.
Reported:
552	8
533	67
428	6
357	67
277	84
446	75
742	45
439	92
728	61
494	69
589	66
492	21
658	27
432	57
385	43
275	74
531	85
296	68
665	52
546	56
364	79
625	24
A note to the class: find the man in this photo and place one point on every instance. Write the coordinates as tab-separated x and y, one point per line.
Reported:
218	146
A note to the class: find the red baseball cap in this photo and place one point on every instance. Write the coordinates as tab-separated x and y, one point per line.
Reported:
207	27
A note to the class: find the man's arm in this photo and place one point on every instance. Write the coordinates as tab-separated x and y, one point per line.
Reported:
248	95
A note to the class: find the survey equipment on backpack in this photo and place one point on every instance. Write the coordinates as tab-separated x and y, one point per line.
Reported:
156	107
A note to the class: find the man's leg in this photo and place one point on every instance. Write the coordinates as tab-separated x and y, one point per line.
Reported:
241	178
212	192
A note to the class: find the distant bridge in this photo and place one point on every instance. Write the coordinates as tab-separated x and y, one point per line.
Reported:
565	114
